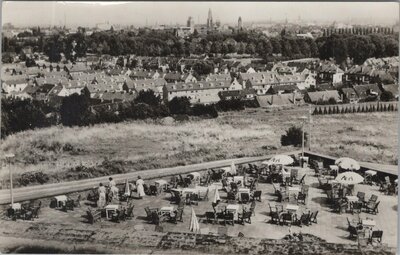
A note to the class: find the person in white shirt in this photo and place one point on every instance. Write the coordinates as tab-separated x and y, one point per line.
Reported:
140	188
111	183
102	196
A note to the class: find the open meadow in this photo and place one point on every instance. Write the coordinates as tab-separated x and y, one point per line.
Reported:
64	153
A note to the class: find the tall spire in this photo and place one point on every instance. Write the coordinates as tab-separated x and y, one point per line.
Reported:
209	19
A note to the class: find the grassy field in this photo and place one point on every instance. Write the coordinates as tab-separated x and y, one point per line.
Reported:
63	152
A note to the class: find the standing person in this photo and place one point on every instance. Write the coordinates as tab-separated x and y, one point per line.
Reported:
140	188
102	196
111	183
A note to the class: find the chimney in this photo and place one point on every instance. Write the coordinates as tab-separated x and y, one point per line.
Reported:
294	97
272	99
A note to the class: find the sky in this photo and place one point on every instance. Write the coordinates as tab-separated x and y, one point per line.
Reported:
151	13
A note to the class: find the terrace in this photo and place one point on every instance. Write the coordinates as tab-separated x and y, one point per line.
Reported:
330	225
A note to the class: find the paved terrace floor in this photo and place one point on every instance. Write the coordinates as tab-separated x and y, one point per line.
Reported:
331	226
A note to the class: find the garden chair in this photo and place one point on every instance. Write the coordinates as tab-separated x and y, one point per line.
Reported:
301	198
203	197
286	218
353	232
244	198
119	216
149	212
193	199
279	208
313	217
245	217
361	196
153	190
77	202
375	235
69	205
304	189
356	207
340	205
304	219
276	188
211	216
93	216
229	217
177	216
257	195
372	207
253	207
275	217
129	212
373	198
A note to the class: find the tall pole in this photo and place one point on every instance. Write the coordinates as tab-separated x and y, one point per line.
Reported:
309	132
9	157
302	141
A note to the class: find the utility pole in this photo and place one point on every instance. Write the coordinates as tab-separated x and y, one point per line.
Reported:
310	124
8	158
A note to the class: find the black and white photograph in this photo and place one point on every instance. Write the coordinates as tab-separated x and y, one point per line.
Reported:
201	127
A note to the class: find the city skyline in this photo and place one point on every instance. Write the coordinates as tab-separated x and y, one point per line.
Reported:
74	14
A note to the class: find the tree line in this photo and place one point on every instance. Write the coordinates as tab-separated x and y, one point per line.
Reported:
164	43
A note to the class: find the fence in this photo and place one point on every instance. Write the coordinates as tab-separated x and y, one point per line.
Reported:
356	108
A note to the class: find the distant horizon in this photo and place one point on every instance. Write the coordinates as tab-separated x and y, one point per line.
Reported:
73	14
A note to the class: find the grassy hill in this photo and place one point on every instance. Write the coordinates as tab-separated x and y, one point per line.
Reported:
82	152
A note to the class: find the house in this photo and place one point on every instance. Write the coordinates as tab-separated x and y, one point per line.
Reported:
367	92
329	72
32	71
392	88
282	89
147	84
202	92
113	97
179	77
243	94
218	77
14	85
42	93
78	68
322	96
291	99
140	75
308	82
360	74
261	85
349	94
283	69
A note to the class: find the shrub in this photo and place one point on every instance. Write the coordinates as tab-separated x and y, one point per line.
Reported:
33	178
387	96
179	105
293	136
230	105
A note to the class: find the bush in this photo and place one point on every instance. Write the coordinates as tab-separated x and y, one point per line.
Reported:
33	178
293	137
230	105
204	110
387	96
179	105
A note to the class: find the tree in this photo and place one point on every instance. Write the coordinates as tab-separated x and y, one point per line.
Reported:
179	105
148	97
202	68
293	136
391	47
387	96
74	110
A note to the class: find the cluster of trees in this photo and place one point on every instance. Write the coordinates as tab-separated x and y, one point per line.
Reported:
164	43
360	108
19	115
294	136
357	47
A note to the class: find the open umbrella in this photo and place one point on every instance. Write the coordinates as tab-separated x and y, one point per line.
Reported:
279	160
349	178
127	189
233	168
194	223
347	163
370	172
216	197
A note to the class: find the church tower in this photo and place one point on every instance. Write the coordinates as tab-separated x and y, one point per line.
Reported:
209	20
240	24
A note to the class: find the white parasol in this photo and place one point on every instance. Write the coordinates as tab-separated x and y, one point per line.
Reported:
349	178
216	197
194	223
370	172
279	160
127	188
347	163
